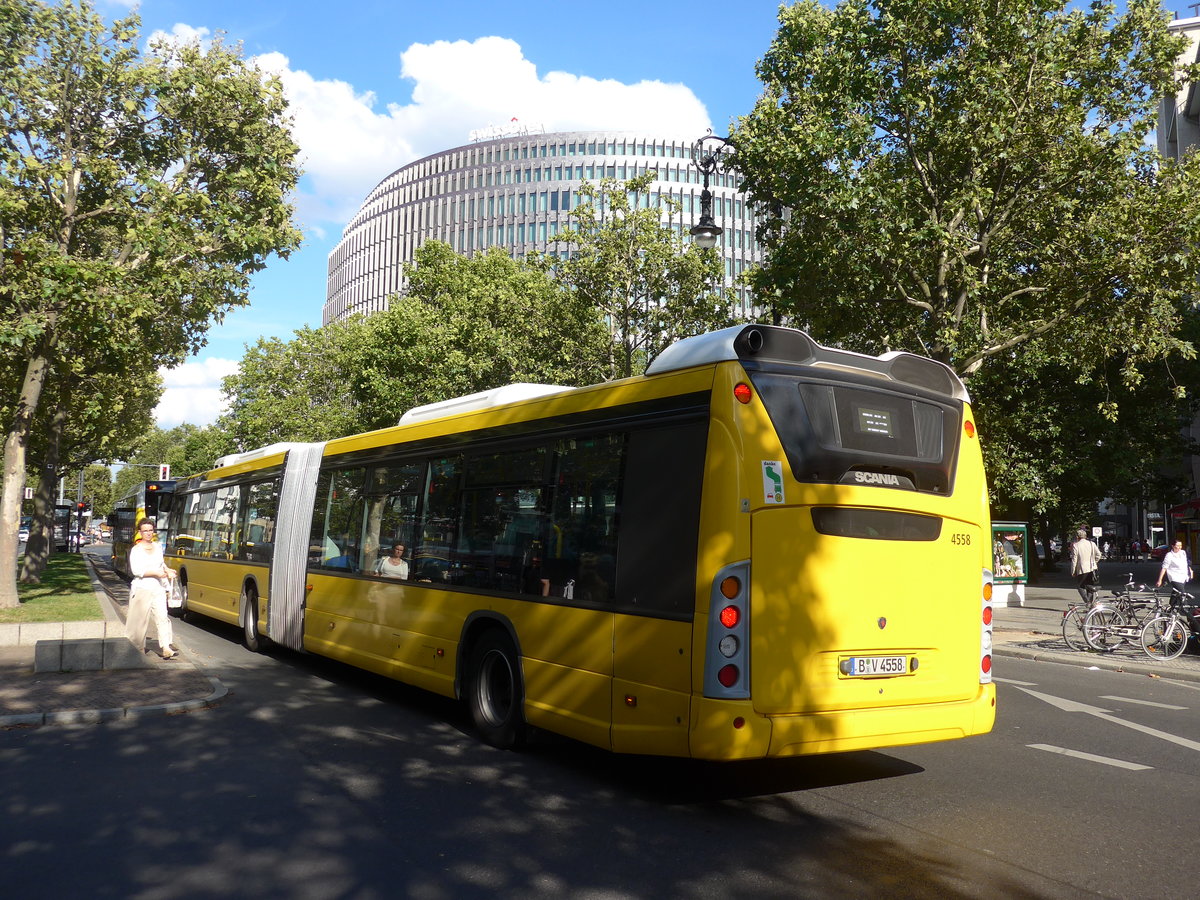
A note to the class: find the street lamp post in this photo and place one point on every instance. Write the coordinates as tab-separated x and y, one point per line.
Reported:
709	154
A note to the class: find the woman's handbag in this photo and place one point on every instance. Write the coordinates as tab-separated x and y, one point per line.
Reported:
175	594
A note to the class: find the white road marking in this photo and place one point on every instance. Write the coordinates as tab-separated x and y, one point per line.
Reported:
1011	681
1141	702
1090	757
1074	706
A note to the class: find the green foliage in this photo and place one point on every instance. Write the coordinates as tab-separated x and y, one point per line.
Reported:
959	178
138	194
186	448
297	390
649	288
466	324
1050	448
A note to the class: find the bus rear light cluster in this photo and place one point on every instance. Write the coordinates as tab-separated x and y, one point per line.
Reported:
727	653
985	635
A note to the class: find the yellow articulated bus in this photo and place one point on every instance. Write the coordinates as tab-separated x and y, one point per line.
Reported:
762	547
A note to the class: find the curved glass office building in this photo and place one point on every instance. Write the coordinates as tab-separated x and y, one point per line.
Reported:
517	192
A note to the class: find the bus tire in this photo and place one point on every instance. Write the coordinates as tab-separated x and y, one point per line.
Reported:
253	639
495	695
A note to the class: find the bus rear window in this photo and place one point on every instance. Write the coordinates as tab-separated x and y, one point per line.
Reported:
875	524
849	433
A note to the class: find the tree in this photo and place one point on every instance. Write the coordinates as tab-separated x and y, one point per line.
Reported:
625	263
187	449
963	178
298	390
469	324
138	194
466	324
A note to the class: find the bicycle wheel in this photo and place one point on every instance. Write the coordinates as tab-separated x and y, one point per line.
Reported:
1072	627
1100	628
1164	637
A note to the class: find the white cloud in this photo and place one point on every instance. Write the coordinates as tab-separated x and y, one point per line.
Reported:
349	145
192	392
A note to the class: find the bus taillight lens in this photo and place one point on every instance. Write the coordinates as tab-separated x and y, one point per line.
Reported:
986	665
727	639
742	392
987	591
969	428
987	615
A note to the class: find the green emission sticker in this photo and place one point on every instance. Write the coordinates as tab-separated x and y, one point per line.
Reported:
772	481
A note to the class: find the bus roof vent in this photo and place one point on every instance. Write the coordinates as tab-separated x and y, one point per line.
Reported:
760	342
510	393
232	459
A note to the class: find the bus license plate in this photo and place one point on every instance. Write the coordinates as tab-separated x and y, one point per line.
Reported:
864	666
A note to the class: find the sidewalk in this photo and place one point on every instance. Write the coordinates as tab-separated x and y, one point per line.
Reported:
1034	631
156	687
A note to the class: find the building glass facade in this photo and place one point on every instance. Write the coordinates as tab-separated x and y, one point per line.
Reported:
517	192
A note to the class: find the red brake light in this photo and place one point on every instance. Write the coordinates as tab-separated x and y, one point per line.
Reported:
742	392
987	615
985	664
728	676
730	616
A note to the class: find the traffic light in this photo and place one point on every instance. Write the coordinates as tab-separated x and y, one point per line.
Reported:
83	507
164	472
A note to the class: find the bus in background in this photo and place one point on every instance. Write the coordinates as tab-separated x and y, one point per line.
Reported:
150	500
762	547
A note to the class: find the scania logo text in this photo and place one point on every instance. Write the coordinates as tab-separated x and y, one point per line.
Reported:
876	478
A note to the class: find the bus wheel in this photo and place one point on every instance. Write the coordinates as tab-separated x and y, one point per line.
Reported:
494	694
250	634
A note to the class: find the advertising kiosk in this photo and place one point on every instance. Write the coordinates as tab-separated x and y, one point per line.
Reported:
1010	562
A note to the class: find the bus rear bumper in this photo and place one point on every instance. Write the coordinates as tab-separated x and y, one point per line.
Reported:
835	732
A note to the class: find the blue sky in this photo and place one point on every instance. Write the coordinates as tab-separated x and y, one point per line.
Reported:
376	84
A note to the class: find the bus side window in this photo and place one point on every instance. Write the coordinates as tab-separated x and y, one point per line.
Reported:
581	550
391	515
336	538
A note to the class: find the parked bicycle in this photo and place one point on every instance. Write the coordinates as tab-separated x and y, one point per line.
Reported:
1166	636
1120	619
1076	613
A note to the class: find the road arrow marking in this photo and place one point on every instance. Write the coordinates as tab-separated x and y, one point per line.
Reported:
1142	702
1090	757
1074	706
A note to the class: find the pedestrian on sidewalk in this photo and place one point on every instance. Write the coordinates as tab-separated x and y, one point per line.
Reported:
1175	568
148	592
1085	559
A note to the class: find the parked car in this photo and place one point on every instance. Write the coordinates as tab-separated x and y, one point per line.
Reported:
1159	552
23	535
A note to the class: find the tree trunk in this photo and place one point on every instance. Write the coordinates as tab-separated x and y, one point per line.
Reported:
15	443
41	544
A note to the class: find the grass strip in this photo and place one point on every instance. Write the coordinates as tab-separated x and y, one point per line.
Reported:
65	594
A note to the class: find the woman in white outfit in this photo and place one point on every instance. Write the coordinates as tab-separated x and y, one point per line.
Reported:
148	592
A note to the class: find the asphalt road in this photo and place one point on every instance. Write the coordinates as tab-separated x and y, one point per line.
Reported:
311	780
